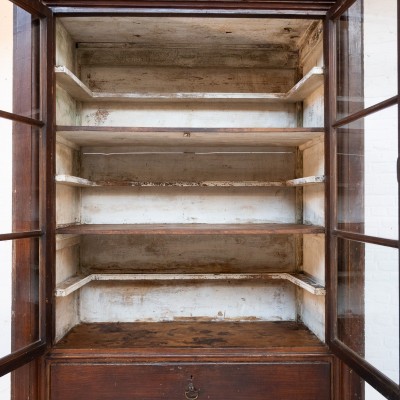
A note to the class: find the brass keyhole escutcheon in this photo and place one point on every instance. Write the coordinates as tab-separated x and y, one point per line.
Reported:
191	393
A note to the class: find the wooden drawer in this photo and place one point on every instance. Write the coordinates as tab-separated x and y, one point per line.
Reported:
257	381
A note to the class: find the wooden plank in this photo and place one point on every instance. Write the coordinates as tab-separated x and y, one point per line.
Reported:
74	181
308	180
276	336
191	229
74	283
117	136
310	82
307	283
145	31
81	182
205	56
74	86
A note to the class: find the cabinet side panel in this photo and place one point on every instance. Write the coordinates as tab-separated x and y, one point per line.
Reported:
314	195
312	308
67	264
65	47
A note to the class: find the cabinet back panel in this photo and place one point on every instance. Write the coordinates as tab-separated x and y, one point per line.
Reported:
167	79
193	254
193	115
233	56
122	302
187	205
129	165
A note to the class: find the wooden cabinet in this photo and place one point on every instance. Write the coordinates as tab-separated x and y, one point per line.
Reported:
190	210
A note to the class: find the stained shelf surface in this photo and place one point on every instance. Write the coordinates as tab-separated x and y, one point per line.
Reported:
186	136
74	283
154	336
75	181
190	229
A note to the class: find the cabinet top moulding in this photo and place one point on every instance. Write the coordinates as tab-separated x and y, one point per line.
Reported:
142	136
77	89
190	229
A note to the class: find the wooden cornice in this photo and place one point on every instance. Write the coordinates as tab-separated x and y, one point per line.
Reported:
285	6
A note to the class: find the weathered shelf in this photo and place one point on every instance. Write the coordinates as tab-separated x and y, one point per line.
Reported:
81	182
73	85
299	279
270	336
183	136
190	229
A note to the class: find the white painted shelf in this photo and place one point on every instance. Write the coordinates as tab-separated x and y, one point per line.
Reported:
301	280
182	136
73	85
81	182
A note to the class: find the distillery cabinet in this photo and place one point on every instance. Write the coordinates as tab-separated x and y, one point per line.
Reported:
203	217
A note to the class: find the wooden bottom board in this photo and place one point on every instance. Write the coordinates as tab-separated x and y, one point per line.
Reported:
267	336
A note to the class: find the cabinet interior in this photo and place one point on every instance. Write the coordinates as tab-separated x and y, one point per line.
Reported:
190	172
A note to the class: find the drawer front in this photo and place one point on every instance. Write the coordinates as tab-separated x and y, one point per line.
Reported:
175	381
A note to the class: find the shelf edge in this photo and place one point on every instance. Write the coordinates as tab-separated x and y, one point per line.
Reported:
74	283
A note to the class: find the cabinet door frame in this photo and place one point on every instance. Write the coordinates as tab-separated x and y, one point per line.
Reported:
350	358
17	361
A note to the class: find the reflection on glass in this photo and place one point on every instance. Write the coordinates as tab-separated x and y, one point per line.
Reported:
368	303
367	175
19	206
19	294
19	61
366	55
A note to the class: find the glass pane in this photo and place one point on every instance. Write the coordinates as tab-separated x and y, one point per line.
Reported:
19	61
368	303
5	387
19	195
19	294
366	55
367	175
16	385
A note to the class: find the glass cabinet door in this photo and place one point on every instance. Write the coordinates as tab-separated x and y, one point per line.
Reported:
23	239
364	223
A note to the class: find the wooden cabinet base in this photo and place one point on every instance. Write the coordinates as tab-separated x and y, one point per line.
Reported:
190	360
234	381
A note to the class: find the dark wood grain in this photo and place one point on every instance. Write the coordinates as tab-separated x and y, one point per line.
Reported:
69	128
269	336
235	381
20	118
304	5
190	229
